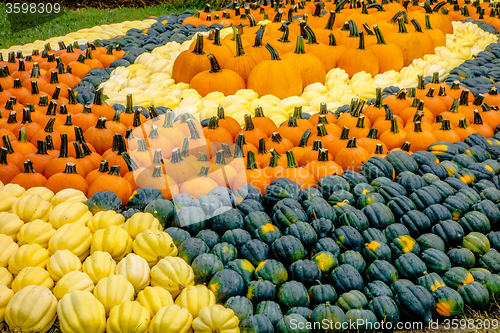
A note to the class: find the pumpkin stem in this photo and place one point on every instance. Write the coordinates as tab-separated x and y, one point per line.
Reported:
251	163
262	146
291	162
311	36
464	97
55	95
286	33
219	157
97	97
361	122
131	165
137	118
238	148
430	93
417	26
454	106
297	112
353	29
368	31
417	127
344	135
214	123
379	149
259	112
259	35
195	134
23	135
445	125
185	148
478	100
274	53
49	142
273	161
402	26
3	156
351	143
153	134
373	133
214	65
41	147
63	153
317	145
114	170
323	155
420	82
34	88
168	123
292	122
332	41
378	98
331	21
79	135
493	91
70	169
304	138
406	146
202	157
17	84
275	137
394	125
462	123
78	150
477	118
442	91
227	150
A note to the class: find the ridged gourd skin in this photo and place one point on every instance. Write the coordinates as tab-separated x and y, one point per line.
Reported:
10	224
140	222
61	263
216	318
32	255
32	276
195	298
68	195
31	207
72	281
154	298
171	319
36	231
130	316
135	269
113	290
154	245
114	240
6	277
75	237
5	295
173	274
69	212
79	311
103	219
99	265
7	248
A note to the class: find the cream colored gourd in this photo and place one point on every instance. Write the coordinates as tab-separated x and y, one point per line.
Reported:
32	309
102	220
75	237
195	298
173	274
114	240
113	290
6	201
44	192
14	189
10	224
171	319
5	296
6	277
72	281
32	207
69	212
61	263
29	255
36	231
154	298
32	275
68	195
216	318
140	222
79	311
135	269
130	316
99	265
154	245
7	248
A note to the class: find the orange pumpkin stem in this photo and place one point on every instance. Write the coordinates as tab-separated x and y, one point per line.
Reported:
274	53
454	106
462	123
23	135
28	167
323	155
185	148
445	125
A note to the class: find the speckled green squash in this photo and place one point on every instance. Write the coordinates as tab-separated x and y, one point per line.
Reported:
431	281
322	293
328	312
225	284
242	267
479	274
394	231
475	221
346	278
288	249
205	266
451	232
373	234
379	215
326	262
382	270
385	309
436	261
375	250
462	257
254	251
292	294
304	232
361	320
353	299
271	310
260	290
449	303
410	266
477	242
475	295
191	248
225	252
416	303
326	244
457	277
377	288
256	324
305	272
490	261
353	258
241	306
430	241
293	323
492	283
272	270
404	244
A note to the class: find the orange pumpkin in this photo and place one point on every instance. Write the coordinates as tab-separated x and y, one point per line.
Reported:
298	174
68	178
112	181
352	157
189	63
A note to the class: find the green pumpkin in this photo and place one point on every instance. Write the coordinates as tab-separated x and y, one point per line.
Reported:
437	213
248	205
163	210
317	207
457	277
376	251
361	320
322	226
449	303
382	270
410	181
353	299
444	188
304	232
254	251
492	283
385	309
288	249
377	288
191	248
226	218
280	189
248	192
377	167
404	244
362	189
402	161
293	323
489	209
416	303
369	199
490	193
209	237
104	200
372	234
490	261
399	285
354	218
475	295
271	310
242	267
322	293
449	231
225	284
241	306
494	239
431	281
353	258
477	242
256	324
431	241
391	190
462	257
436	261
457	207
329	184
268	233
272	270
226	196
292	294
326	244
209	204
327	313
410	266
348	238
237	237
479	274
191	219
354	178
287	212
305	272
260	290
341	196
254	220
225	252
416	222
346	278
300	310
379	215
205	266
394	231
178	235
326	262
468	195
475	221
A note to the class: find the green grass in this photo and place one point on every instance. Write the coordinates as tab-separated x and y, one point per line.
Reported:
85	18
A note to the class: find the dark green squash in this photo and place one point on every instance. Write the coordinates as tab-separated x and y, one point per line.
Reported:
326	262
491	261
178	235
353	299
225	284
449	303
376	251
376	289
326	244
385	309
271	310
391	190
341	196
305	271
241	306
226	196
410	266
449	231
489	209
416	222
490	193
304	232
482	185
292	294
293	323
402	161
430	241
248	205
404	244
317	207
424	157
237	237
368	199
354	178
394	231
322	226
399	285
361	320
431	281
185	200
477	242
260	290
191	219
475	221
104	200
416	303
468	195
462	257
494	239
209	237
345	278
163	210
436	261
322	293
353	258
205	266
381	270
242	267
410	181
272	270
256	324
457	278
399	206
268	233
377	167
373	234
348	238
309	193
354	218
225	252
362	189
191	248
475	295
444	188
254	220
300	310
479	274
431	178
437	213
379	215
288	249
492	283
443	150
327	313
280	189
456	183
463	160
209	204
286	212
226	218
457	207
378	182
425	196
478	153
329	184
248	192
254	251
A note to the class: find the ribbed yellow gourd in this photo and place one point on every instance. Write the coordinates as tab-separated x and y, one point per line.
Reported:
67	195
140	222
75	237
103	219
31	207
7	248
99	265
44	192
135	269
216	318
32	309
29	255
79	311
195	298
173	274
69	212
171	319
61	263
10	224
32	275
14	189
154	245
113	290
130	316
72	281
5	296
6	277
114	240
6	201
154	298
36	231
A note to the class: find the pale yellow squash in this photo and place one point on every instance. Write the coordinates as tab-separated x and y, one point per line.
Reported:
7	248
80	312
69	212
72	281
61	263
195	298
6	277
14	189
5	296
67	195
99	265
36	231
154	298
32	207
140	222
102	220
29	255
114	240
154	245
216	318
113	290
130	316
41	191
10	224
6	201
171	319
75	237
135	269
32	275
173	274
